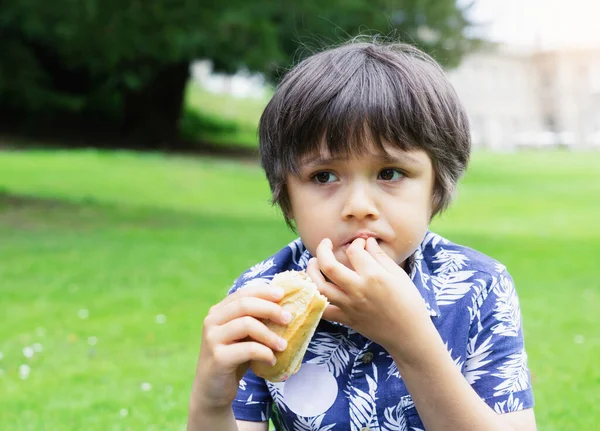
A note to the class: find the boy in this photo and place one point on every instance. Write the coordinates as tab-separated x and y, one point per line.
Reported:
362	146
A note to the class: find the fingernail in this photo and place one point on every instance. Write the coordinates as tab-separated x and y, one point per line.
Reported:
273	361
286	316
281	344
278	293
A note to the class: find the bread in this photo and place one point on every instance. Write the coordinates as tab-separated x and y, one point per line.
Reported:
307	305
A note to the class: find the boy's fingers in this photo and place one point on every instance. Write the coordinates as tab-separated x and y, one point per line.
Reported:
244	327
250	306
258	288
233	355
329	265
381	256
362	262
333	293
335	314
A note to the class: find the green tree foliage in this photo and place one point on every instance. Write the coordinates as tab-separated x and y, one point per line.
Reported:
128	60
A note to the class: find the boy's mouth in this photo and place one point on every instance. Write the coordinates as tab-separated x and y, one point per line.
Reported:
364	236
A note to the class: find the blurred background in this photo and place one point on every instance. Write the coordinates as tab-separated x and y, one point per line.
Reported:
131	196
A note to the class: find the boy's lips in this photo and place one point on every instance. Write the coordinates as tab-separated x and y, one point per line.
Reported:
364	235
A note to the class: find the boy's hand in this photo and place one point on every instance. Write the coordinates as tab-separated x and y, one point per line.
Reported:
233	336
377	299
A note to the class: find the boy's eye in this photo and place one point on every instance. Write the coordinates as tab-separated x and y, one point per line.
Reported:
324	177
390	174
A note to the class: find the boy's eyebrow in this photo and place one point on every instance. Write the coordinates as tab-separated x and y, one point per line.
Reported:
402	157
321	160
383	158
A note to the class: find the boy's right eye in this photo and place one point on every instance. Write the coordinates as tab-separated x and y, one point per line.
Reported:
324	177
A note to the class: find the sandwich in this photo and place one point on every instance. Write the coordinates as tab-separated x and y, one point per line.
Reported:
303	300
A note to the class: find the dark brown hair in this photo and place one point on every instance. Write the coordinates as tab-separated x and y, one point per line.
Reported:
343	96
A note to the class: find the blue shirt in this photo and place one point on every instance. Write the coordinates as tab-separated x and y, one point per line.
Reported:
473	304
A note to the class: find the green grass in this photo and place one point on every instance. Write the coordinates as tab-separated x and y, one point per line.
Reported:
129	237
222	119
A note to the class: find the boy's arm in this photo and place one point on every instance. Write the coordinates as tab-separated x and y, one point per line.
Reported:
221	420
442	396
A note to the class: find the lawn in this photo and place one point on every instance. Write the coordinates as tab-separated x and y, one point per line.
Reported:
109	262
220	118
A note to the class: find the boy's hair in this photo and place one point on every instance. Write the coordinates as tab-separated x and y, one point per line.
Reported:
340	98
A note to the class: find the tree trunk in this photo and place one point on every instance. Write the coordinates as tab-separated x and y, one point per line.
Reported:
152	113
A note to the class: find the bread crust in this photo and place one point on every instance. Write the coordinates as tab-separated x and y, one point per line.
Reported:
303	300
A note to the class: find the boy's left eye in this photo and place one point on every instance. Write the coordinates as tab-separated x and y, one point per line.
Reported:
390	174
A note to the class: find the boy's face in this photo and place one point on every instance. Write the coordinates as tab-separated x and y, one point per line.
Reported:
387	196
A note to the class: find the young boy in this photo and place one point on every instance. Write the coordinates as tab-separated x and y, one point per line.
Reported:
362	146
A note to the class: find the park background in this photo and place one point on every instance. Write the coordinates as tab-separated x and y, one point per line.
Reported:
131	196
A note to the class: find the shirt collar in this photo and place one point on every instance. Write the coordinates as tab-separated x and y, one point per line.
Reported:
421	277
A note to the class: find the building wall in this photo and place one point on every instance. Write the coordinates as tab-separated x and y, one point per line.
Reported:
514	97
500	92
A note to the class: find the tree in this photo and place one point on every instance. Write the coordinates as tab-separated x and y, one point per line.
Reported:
128	60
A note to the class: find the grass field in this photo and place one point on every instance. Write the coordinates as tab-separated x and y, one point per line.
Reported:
221	118
109	262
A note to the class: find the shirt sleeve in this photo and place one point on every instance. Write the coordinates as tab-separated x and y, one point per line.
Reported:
496	364
253	401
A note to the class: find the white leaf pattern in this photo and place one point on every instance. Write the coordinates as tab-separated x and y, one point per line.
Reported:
363	406
450	261
299	253
434	239
250	402
514	374
332	350
311	424
276	390
476	359
507	310
394	419
499	268
259	268
477	298
449	288
512	404
417	270
393	370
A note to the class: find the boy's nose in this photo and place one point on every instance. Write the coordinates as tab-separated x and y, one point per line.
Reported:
359	204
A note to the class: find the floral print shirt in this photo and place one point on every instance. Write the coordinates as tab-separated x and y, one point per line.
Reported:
357	386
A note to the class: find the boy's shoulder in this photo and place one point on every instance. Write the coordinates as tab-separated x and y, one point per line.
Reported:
443	256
